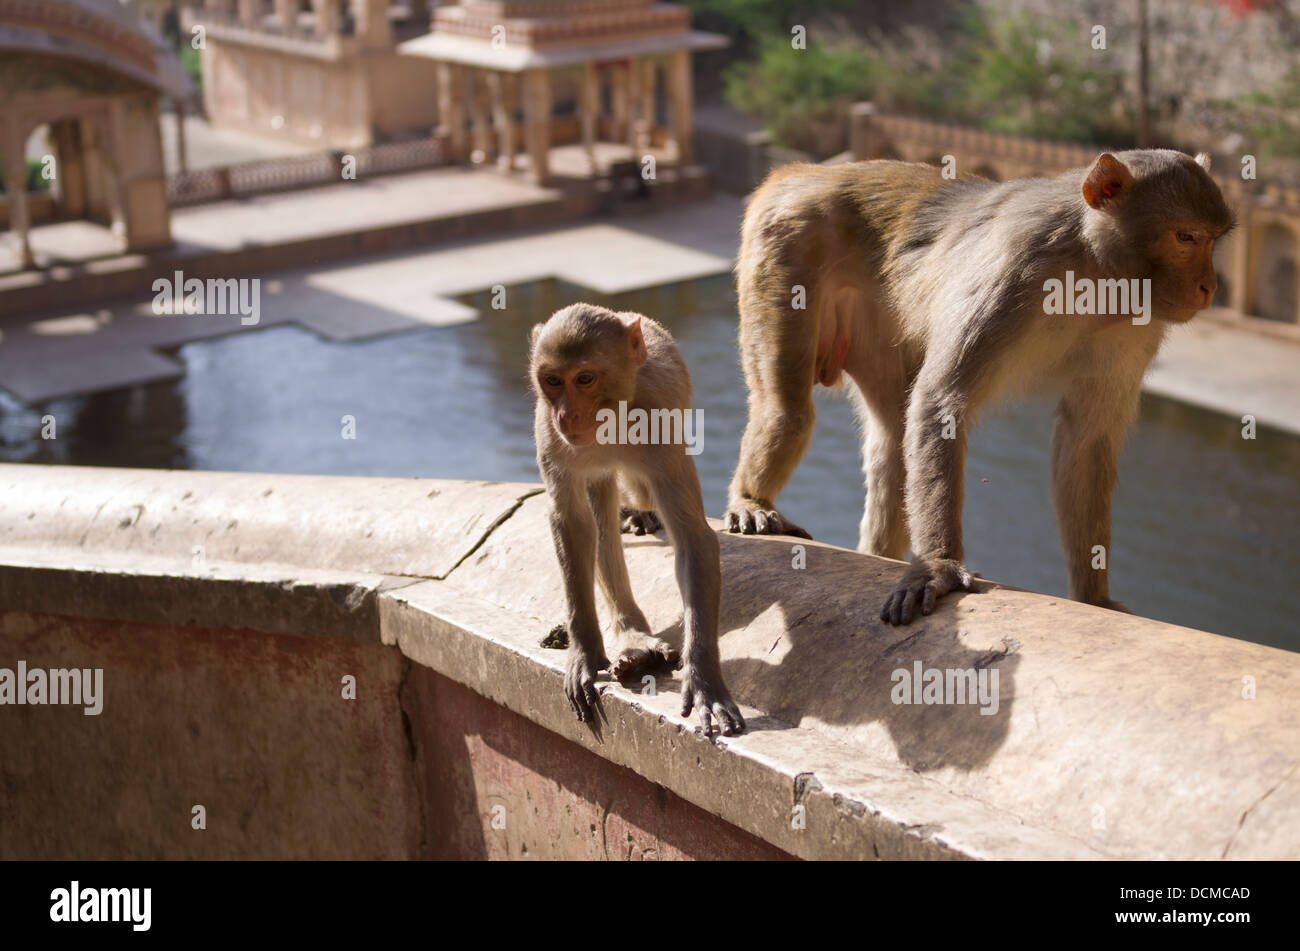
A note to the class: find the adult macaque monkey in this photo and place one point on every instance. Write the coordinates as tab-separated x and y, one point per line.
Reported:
585	359
931	295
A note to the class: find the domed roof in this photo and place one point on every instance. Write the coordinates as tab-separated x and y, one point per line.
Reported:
99	32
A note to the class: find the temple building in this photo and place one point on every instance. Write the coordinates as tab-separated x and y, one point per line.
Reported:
315	72
84	79
621	67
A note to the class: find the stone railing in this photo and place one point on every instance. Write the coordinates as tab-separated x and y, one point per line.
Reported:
303	37
231	612
302	171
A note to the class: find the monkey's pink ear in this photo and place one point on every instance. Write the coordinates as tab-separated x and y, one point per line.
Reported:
534	334
1203	160
637	341
1108	179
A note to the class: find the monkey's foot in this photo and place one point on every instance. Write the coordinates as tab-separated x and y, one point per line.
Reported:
708	695
923	584
636	650
580	682
748	520
1112	605
638	522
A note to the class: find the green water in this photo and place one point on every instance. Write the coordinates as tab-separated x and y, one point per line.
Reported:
1205	522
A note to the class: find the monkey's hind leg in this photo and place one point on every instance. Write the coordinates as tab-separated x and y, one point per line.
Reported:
632	646
778	355
880	400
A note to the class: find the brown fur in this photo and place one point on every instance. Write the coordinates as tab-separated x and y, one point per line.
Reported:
585	359
928	294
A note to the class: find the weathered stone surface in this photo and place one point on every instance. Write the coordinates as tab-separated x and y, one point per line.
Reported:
854	806
1114	736
409	527
1124	736
498	786
251	726
277	599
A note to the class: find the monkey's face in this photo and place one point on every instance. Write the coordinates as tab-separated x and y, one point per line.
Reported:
1160	211
584	360
1183	279
575	396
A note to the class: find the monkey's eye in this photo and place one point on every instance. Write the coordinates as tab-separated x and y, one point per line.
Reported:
552	381
1186	237
586	379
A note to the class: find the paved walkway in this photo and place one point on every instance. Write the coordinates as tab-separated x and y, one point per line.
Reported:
1206	363
350	206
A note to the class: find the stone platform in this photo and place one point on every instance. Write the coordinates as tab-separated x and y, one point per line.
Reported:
225	608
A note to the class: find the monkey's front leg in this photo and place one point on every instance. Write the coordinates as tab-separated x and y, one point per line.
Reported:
935	442
573	530
1085	468
699	578
634	645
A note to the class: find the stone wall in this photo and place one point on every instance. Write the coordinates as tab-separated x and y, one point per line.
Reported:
225	609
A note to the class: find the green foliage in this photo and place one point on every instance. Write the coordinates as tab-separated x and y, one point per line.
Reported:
36	182
1273	119
791	89
1033	77
753	23
1016	74
191	61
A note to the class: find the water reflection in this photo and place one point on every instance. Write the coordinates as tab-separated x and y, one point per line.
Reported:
1205	521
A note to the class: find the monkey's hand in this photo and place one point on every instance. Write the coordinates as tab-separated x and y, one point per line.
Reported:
580	681
636	522
707	694
747	519
923	584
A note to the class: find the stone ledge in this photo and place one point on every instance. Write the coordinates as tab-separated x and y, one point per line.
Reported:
1115	736
855	807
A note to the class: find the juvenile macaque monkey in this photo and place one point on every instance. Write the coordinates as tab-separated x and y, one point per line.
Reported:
931	296
586	359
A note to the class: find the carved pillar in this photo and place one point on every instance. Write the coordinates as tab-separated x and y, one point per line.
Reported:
649	91
13	147
478	112
1239	292
537	121
634	77
113	186
327	16
618	100
681	102
182	153
66	134
503	89
372	24
286	11
451	108
590	109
